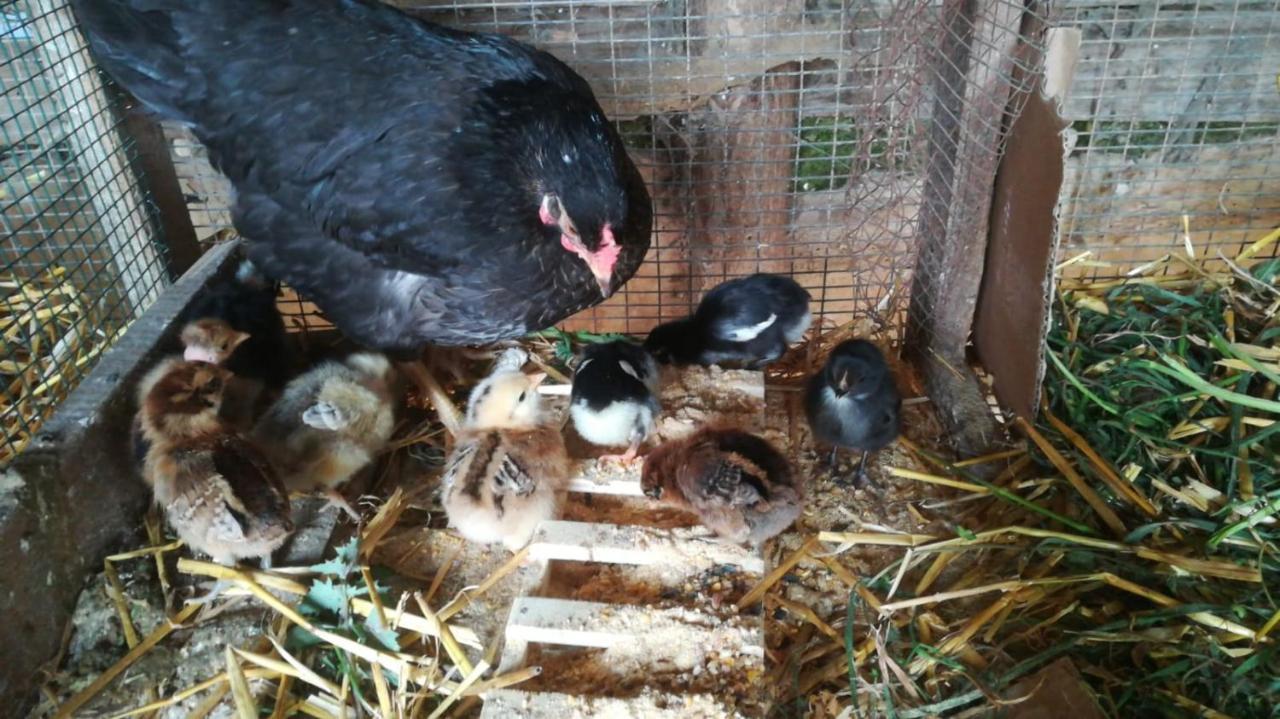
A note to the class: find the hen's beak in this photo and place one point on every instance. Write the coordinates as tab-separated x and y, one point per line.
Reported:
606	285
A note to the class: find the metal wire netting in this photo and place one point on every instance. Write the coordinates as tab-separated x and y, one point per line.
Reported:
1175	135
791	137
77	260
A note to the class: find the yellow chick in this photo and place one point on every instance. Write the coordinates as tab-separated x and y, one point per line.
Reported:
330	422
509	468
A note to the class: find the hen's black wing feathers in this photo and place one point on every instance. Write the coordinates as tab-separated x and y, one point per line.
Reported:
380	161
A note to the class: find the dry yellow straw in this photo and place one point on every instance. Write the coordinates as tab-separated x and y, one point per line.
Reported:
809	616
937	479
876	538
506	680
363	607
451	645
1258	246
465	599
246	707
1122	489
1096	502
457	694
771	578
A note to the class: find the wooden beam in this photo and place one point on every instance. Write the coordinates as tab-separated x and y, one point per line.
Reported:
972	73
742	146
156	162
568	622
99	151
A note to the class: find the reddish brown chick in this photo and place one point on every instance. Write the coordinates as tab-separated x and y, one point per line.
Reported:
218	491
737	483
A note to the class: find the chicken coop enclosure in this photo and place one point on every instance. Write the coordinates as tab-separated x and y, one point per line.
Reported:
929	170
851	144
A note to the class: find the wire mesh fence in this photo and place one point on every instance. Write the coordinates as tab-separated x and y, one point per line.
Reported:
1175	135
77	261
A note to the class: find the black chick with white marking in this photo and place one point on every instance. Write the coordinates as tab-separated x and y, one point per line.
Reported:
422	185
853	402
748	321
614	401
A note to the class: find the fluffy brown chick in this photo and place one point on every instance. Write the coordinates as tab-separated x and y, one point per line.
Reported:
329	423
210	340
737	483
218	491
509	468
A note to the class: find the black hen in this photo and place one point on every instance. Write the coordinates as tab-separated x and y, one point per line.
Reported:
853	402
420	184
747	321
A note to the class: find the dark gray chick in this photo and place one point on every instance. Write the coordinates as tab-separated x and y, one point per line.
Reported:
853	403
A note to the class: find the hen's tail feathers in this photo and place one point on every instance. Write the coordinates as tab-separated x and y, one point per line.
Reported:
136	42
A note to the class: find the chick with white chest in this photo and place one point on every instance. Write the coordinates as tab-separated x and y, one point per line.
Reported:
853	403
509	469
614	401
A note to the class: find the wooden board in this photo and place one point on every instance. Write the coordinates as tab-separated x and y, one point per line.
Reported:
591	624
614	544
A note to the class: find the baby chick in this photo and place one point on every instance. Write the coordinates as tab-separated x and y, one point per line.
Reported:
329	424
853	402
737	483
247	305
215	341
218	491
210	340
509	467
614	398
748	321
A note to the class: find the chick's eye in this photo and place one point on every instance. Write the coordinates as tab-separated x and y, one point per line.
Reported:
522	395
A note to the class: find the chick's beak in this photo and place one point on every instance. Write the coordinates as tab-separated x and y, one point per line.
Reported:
199	353
537	378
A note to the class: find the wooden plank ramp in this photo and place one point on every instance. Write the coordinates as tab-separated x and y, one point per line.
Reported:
681	635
